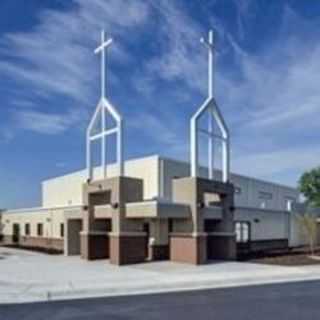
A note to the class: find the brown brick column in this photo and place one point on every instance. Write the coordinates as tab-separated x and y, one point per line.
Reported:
94	245
188	248
128	247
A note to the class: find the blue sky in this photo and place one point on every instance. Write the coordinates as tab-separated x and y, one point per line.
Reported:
266	83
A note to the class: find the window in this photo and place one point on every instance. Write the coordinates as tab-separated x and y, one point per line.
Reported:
40	229
265	195
61	230
242	231
289	202
170	225
16	232
27	229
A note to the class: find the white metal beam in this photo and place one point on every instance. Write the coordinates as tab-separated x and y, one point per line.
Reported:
104	133
209	134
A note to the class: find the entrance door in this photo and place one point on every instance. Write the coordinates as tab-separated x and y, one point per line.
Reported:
16	233
243	236
72	236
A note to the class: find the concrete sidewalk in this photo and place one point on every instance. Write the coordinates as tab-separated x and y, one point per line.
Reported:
28	276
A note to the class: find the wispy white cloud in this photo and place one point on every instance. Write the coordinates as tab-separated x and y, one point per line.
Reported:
42	122
180	56
55	58
275	165
270	95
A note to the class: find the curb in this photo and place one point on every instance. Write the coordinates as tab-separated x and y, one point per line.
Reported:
82	293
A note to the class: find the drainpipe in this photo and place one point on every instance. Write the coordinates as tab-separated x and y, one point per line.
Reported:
161	178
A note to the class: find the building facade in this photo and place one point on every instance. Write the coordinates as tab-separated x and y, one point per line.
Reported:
162	214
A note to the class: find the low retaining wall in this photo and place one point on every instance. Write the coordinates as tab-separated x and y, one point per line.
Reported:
35	242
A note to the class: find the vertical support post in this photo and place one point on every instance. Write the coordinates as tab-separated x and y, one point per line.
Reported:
103	143
119	149
210	115
211	62
103	111
194	147
88	156
210	146
103	67
225	160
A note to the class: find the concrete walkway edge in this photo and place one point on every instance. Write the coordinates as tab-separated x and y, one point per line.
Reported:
56	295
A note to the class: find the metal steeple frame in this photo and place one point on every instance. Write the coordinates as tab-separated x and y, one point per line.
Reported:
103	110
214	113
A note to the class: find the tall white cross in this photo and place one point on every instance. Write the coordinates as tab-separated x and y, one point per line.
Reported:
102	48
103	110
210	45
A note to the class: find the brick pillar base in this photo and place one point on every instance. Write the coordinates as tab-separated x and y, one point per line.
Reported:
94	245
128	248
158	252
221	247
188	248
7	240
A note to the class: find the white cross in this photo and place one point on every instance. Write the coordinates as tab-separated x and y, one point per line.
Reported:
210	45
102	48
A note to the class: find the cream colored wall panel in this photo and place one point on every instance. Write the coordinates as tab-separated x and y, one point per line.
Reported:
67	190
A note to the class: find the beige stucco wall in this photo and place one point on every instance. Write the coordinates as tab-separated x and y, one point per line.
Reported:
50	218
67	190
157	174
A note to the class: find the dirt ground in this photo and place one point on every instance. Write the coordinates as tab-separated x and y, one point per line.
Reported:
294	257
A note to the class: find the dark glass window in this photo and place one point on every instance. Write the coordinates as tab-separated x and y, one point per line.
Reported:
27	229
170	225
39	229
62	230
